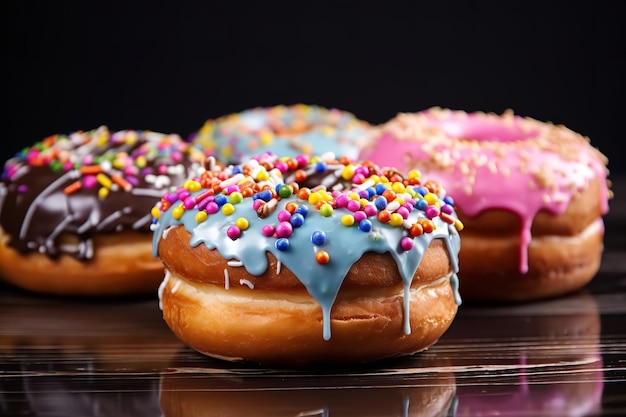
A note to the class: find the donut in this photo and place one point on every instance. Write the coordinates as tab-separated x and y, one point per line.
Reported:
531	194
290	261
285	130
75	210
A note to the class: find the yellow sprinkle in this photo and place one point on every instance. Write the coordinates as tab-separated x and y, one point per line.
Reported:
178	211
118	163
396	219
192	185
156	213
348	172
262	175
375	178
131	137
201	216
104	180
242	223
347	220
397	187
415	174
228	209
353	196
315	198
363	202
141	161
266	137
227	151
431	198
103	192
459	225
103	138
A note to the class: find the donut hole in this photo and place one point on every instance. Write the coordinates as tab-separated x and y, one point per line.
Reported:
485	129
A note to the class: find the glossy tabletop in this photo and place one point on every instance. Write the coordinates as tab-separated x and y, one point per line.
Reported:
560	357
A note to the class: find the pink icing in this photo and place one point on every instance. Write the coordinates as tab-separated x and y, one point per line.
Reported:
488	161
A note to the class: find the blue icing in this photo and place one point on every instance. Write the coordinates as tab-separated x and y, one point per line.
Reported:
345	246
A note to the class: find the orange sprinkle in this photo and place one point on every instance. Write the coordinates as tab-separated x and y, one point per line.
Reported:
72	188
303	193
322	257
291	207
119	180
447	218
90	169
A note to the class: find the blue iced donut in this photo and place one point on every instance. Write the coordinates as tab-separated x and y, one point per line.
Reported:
283	130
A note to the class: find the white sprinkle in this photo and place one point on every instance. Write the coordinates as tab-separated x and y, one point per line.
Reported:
278	264
246	282
234	263
226	279
366	184
393	206
232	180
175	287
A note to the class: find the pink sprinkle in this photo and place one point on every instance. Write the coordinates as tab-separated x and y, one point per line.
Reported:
283	216
89	181
267	230
162	169
233	232
361	170
303	160
176	156
183	194
131	170
231	189
370	210
402	211
282	166
406	243
431	212
189	203
353	205
358	178
359	215
342	200
257	203
284	229
212	207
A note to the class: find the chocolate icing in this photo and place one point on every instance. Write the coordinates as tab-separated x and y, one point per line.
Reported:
36	212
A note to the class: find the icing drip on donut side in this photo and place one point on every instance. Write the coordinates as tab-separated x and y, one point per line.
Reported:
490	161
317	242
88	183
286	130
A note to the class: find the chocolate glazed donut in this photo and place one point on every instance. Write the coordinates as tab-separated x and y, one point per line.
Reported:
75	210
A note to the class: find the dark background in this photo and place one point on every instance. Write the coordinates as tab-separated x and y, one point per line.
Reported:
169	66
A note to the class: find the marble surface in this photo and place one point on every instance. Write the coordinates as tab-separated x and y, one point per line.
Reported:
561	357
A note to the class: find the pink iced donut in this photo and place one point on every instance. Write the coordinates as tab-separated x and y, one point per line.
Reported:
531	195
